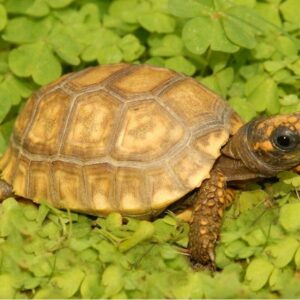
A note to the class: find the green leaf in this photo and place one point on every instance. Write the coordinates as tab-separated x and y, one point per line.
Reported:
35	60
237	31
3	17
101	38
188	8
283	280
238	249
59	3
156	61
256	237
163	231
162	46
290	178
282	253
8	286
114	220
16	6
62	286
128	10
295	67
297	258
286	46
218	61
274	66
112	22
65	46
14	89
243	108
264	96
109	55
224	79
219	39
290	10
112	279
263	50
131	48
269	12
90	287
39	8
249	3
144	232
24	30
181	65
5	103
289	217
227	284
197	34
220	81
194	288
258	273
157	22
250	18
36	8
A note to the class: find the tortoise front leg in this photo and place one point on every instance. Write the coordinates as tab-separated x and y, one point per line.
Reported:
5	190
211	200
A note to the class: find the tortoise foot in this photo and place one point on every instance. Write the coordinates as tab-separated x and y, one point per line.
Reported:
207	220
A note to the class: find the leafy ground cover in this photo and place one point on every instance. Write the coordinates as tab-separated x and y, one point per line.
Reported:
245	50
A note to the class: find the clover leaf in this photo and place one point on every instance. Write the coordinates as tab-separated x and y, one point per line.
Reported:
258	273
222	26
36	8
290	10
35	60
3	17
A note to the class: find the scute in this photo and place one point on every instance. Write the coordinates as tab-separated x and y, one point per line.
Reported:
206	142
99	181
89	132
67	181
21	176
127	138
44	136
9	164
94	76
141	80
194	103
24	118
190	168
130	191
147	132
163	187
40	182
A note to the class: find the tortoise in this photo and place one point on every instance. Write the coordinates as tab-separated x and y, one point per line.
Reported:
135	139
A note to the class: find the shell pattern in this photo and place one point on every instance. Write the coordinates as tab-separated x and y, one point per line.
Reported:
126	138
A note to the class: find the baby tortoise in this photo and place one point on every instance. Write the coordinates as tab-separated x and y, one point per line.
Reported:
135	139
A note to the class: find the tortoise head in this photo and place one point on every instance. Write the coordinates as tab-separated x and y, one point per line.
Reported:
267	146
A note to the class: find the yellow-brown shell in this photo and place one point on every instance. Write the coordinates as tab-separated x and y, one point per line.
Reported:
127	138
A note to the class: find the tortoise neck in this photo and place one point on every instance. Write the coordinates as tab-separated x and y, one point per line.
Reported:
240	147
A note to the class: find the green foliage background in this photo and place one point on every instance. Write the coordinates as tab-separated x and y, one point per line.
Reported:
245	50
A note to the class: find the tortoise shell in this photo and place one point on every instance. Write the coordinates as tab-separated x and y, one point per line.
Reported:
127	138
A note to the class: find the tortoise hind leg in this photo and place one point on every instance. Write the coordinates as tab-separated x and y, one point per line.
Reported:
5	190
211	200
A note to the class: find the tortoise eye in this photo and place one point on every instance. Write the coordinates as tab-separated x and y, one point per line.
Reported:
284	138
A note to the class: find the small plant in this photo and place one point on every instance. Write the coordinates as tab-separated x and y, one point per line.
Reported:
245	50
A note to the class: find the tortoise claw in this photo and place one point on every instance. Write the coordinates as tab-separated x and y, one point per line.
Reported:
209	266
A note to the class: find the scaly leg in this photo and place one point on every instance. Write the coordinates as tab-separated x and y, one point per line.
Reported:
211	201
5	190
